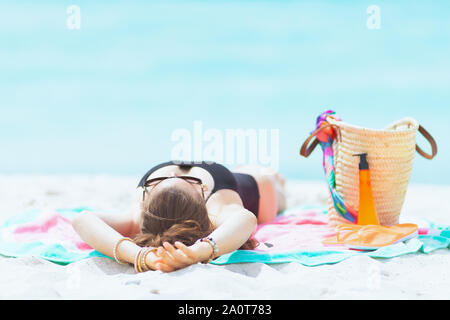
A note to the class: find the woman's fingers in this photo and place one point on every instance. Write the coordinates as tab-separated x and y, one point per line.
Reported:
186	250
172	257
172	250
167	258
183	253
177	254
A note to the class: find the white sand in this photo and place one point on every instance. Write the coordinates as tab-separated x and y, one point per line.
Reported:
415	276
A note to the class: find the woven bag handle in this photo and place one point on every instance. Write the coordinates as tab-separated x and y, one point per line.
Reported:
411	122
307	147
432	142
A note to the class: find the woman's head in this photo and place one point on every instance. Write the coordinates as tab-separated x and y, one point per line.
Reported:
173	210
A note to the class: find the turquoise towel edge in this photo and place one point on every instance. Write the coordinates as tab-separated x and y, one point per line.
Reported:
321	257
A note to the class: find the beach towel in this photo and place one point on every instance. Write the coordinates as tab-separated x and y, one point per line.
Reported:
45	233
294	236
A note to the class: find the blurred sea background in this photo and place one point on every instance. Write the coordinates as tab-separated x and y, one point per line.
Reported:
106	98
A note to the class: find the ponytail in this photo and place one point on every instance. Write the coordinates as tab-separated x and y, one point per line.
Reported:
186	232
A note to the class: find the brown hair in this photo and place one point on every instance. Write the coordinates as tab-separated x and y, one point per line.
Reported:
174	214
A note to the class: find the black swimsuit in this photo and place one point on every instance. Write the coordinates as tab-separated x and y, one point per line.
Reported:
244	184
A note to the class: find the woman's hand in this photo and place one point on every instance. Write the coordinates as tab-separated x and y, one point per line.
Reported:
153	261
182	256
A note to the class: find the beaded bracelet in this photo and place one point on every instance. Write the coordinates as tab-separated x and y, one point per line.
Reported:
213	245
115	250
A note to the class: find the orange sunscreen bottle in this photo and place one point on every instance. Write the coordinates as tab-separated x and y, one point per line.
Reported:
367	213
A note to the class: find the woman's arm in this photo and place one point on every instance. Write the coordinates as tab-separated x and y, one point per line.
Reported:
125	223
102	237
235	228
232	222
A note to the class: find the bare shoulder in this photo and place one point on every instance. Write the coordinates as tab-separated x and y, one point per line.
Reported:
221	202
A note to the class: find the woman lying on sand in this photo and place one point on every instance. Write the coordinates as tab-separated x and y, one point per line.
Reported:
188	212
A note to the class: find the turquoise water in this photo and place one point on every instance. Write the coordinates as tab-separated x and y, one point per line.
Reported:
106	98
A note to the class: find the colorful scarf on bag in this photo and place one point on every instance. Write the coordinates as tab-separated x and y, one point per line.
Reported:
326	143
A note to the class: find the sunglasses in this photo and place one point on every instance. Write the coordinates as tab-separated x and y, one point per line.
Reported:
192	180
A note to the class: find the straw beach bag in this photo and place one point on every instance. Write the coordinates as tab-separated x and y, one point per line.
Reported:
390	153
